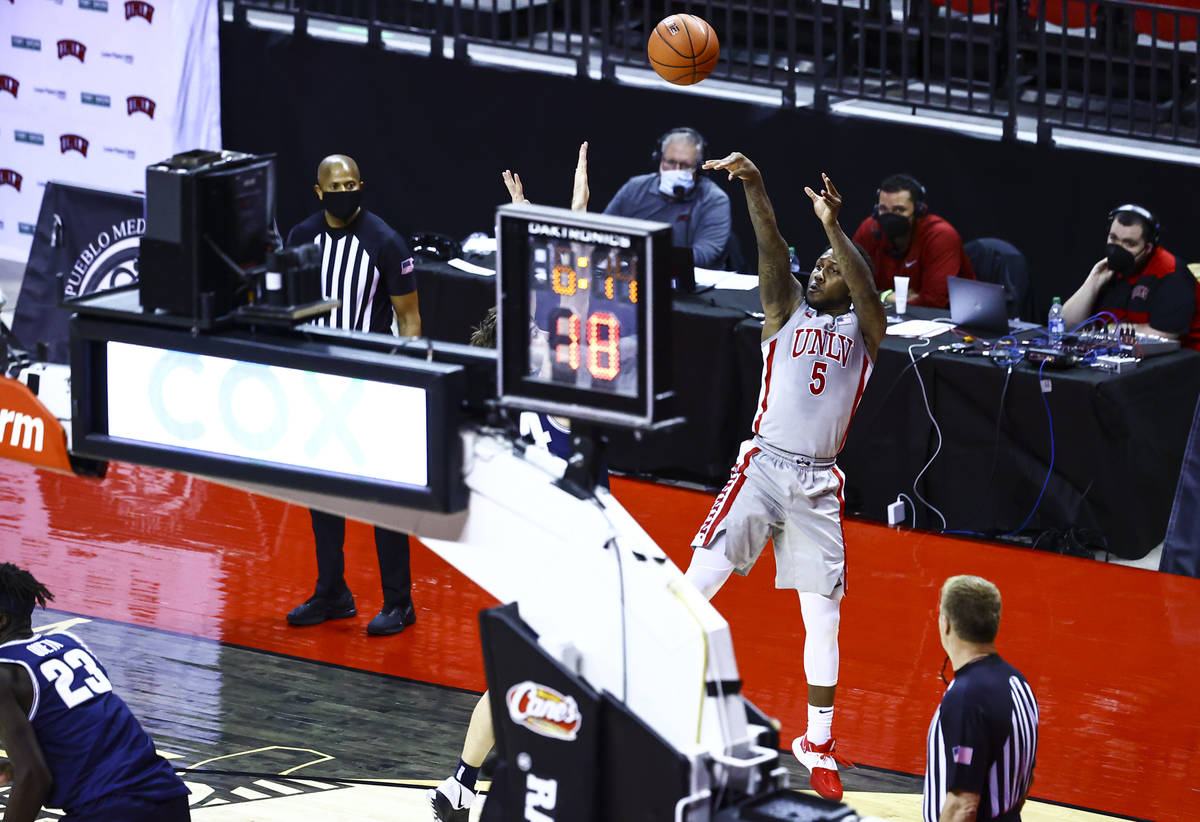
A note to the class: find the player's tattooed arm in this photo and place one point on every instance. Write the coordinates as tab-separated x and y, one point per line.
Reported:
30	777
871	316
780	293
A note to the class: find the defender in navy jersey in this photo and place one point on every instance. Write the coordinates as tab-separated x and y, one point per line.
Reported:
451	801
73	743
982	742
366	265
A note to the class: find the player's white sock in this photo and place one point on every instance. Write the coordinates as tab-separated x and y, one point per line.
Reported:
820	724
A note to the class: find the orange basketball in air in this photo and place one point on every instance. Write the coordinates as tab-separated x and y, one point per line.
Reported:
683	49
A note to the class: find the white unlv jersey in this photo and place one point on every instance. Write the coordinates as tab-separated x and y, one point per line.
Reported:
814	371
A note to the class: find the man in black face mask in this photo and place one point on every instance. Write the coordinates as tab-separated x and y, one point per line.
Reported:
1137	281
366	265
904	240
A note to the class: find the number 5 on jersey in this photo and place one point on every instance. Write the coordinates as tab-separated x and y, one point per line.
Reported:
817	383
62	673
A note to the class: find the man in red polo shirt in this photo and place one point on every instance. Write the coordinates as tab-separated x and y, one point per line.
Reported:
905	240
1138	281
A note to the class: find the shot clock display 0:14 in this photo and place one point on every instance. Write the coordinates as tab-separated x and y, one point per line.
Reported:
584	316
583	300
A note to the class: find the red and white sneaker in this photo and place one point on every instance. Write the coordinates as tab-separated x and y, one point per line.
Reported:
822	764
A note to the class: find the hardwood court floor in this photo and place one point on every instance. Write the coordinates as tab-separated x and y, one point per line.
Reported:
262	736
1110	651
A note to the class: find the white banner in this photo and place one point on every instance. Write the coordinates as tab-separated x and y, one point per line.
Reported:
93	91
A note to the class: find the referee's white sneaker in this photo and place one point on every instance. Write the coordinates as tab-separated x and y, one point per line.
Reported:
822	764
451	801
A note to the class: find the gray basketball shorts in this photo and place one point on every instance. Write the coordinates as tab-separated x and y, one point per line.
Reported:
786	498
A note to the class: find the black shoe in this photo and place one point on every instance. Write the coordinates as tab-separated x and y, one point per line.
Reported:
320	608
392	620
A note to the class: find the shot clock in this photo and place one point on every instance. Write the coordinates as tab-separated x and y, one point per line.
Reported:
581	298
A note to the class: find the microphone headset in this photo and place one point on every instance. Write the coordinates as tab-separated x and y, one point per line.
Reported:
696	138
1151	226
906	182
901	182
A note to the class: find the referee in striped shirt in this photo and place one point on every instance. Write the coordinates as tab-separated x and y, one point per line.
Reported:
366	265
982	742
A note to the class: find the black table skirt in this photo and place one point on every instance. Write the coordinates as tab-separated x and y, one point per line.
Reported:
1118	444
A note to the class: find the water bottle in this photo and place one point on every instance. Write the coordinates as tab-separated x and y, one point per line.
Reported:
1056	324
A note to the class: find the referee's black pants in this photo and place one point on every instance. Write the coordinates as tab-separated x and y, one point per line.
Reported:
329	532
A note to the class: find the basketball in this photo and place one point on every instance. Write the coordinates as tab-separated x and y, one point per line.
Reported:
683	49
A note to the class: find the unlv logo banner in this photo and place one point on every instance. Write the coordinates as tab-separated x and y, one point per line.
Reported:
142	104
73	142
91	237
71	48
9	83
8	177
137	8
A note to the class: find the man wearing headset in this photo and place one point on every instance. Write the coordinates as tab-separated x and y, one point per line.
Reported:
675	193
905	240
1138	281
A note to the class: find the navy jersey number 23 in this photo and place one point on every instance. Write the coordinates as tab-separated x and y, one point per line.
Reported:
92	744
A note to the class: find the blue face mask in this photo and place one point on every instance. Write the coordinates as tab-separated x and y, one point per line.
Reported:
676	183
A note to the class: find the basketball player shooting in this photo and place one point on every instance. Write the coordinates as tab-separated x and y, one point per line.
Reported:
818	349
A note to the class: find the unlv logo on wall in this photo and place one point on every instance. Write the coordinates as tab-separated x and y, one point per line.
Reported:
9	83
71	48
137	8
142	104
73	142
8	177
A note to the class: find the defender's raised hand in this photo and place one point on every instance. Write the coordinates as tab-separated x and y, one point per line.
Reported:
735	164
515	190
580	192
828	203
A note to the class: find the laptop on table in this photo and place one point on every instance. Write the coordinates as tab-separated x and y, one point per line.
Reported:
978	306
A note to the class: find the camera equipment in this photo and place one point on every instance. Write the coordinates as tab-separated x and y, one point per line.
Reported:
209	216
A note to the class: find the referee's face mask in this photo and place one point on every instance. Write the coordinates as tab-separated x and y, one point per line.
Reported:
341	204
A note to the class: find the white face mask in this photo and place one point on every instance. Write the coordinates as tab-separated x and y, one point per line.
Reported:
676	183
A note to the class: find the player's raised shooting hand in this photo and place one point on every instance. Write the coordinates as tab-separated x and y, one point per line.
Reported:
580	192
735	164
515	190
6	772
828	203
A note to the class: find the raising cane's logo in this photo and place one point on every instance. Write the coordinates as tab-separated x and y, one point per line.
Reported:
9	83
137	8
72	142
143	104
71	48
544	710
8	177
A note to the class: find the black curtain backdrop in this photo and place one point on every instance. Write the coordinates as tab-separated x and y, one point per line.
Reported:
432	136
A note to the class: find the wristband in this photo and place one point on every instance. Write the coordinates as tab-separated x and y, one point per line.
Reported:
883	296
